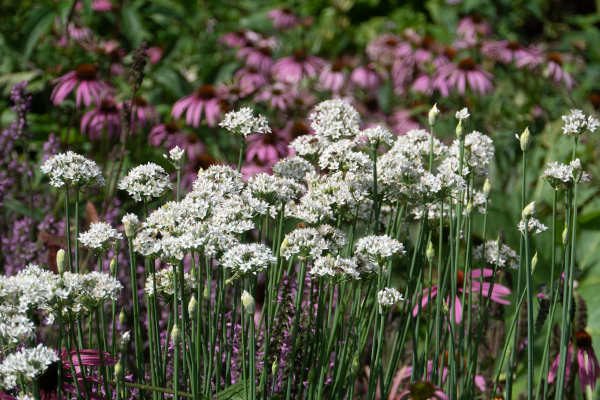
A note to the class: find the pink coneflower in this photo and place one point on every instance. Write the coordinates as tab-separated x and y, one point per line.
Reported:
143	114
79	33
267	146
283	18
294	129
424	83
497	295
234	39
402	75
110	48
466	71
386	48
423	391
405	120
204	97
234	90
252	77
249	170
259	58
155	53
168	133
479	380
89	86
554	65
589	369
504	51
426	48
293	69
472	26
102	5
445	57
300	98
366	77
333	76
275	95
102	119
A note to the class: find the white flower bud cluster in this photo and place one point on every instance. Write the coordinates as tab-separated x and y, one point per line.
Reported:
100	237
335	119
576	123
146	181
508	257
274	190
25	364
375	138
564	176
388	297
378	249
73	170
335	270
243	122
479	150
248	259
294	168
164	285
305	242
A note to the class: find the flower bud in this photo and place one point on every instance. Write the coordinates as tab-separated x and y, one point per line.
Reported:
275	367
527	211
284	245
311	375
124	341
193	307
119	370
445	309
60	261
176	335
534	262
487	188
113	265
193	273
355	365
206	292
460	132
298	342
577	170
525	140
248	302
122	318
566	235
434	114
129	229
469	209
430	253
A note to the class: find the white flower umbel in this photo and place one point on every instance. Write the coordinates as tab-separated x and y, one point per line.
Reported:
378	249
73	170
176	157
244	123
563	176
100	237
217	183
479	150
146	181
15	327
335	270
387	298
274	190
248	259
335	119
95	288
415	145
340	156
164	285
305	242
462	114
576	124
27	364
508	257
374	138
534	225
336	238
31	287
309	146
294	168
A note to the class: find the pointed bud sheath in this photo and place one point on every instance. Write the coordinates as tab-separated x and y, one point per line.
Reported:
275	367
122	318
284	245
469	209
248	302
430	253
434	114
193	307
119	370
534	262
525	140
206	293
129	230
460	132
113	265
311	375
577	171
566	235
527	211
60	261
355	365
124	341
176	335
445	309
193	273
487	189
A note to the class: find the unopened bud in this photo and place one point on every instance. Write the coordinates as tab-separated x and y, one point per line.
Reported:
122	318
298	342
430	253
460	132
527	211
193	273
275	367
284	245
445	309
248	302
60	261
525	140
469	209
124	341
113	265
434	114
577	170
206	293
311	375
129	229
534	262
487	189
193	307
355	365
119	370
566	235
176	335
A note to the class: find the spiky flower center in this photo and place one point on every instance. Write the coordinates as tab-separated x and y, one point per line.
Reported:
86	72
337	66
513	45
427	42
595	100
48	381
300	56
450	52
206	92
140	102
556	57
108	106
476	17
171	127
467	64
422	391
299	129
583	339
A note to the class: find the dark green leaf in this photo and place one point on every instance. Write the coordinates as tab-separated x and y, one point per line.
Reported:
233	392
20	208
38	23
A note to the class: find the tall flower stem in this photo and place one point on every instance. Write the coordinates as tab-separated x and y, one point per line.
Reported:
136	313
69	246
242	148
76	230
176	323
376	205
103	370
431	150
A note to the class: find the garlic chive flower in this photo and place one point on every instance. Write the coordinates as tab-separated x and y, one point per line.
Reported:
274	190
73	170
564	176
26	364
387	298
15	328
508	257
244	123
176	157
248	259
340	156
378	249
95	288
534	226
305	242
374	138
164	285
335	119
335	270
294	168
576	124
100	237
309	147
463	116
146	181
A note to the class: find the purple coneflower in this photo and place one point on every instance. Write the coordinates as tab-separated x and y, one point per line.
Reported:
234	39
424	83
426	48
275	95
554	65
110	48
143	114
300	98
155	53
258	58
445	57
89	86
472	26
249	170
235	90
294	129
498	292
252	77
293	69
423	391
366	77
266	147
102	5
589	369
283	18
168	133
333	76
79	33
204	97
463	72
103	118
406	119
386	48
479	379
504	51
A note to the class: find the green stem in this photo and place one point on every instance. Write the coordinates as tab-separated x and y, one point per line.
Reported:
69	246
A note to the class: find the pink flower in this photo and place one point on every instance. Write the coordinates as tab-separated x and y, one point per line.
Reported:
472	26
259	58
387	48
168	133
497	294
479	380
102	5
275	95
405	120
234	39
189	172
424	83
293	69
249	170
554	62
205	97
300	98
465	71
504	51
294	129
79	33
283	18
423	391
588	367
445	57
366	77
426	47
104	119
333	76
89	86
252	77
143	114
234	90
155	53
111	49
267	146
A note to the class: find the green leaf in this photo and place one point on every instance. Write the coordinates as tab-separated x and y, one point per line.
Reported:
233	392
39	23
173	81
20	208
132	26
87	7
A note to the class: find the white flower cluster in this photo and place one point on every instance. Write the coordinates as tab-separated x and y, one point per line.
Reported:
248	259
305	242
378	249
340	156
415	145
146	181
164	285
388	297
92	289
335	119
376	137
14	327
243	122
564	176
534	226
175	157
274	190
478	151
508	257
294	168
576	124
100	237
462	114
73	170
310	146
335	270
26	364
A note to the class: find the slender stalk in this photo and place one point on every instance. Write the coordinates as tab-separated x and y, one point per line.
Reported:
76	230
376	205
136	313
530	332
154	389
69	246
241	153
